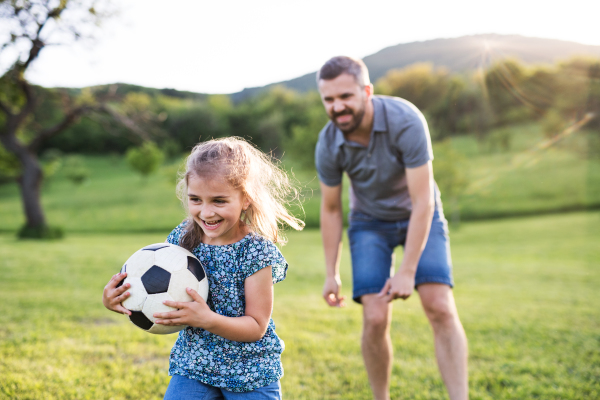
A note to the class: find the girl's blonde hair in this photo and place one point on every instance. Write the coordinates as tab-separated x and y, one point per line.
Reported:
248	169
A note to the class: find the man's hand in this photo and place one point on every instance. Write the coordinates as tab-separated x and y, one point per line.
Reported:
331	292
400	286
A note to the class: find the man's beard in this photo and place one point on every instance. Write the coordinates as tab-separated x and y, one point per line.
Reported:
351	126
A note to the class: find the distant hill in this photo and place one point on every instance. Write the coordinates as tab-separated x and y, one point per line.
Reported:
460	54
122	89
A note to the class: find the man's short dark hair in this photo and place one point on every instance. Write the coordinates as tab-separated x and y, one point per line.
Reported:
344	65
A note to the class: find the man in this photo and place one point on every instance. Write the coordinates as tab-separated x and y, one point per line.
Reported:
383	144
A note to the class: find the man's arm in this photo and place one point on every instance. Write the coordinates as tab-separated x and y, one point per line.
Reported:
331	233
420	188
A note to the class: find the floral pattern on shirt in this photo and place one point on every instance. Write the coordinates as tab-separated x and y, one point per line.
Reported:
212	359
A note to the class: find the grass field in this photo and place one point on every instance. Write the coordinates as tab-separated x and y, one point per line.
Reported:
527	292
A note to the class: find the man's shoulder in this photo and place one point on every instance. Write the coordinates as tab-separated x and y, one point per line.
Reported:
402	116
399	109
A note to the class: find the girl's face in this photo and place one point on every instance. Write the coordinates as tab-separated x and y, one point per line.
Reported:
216	207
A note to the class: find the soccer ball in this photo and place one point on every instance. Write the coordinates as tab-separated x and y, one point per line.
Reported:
160	272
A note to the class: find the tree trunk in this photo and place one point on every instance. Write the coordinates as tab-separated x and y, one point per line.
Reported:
30	183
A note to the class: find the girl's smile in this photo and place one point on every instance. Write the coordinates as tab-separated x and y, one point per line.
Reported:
216	207
212	224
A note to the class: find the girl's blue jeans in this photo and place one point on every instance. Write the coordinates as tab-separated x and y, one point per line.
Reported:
181	388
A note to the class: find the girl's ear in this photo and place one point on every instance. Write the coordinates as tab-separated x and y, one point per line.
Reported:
246	203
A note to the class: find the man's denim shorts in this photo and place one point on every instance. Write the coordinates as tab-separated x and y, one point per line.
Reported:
372	244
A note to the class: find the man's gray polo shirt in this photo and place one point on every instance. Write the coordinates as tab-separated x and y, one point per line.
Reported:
400	139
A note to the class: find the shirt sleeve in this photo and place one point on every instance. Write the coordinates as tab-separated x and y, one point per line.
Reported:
176	234
328	170
263	253
415	142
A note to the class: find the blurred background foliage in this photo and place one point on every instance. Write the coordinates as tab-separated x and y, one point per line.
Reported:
489	127
284	121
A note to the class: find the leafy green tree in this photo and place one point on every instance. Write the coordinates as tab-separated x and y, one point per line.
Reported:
553	123
421	84
145	159
593	111
32	25
540	86
300	145
450	173
593	101
573	86
463	110
9	166
188	122
504	87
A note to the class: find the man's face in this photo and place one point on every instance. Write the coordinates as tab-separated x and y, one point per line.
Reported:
344	101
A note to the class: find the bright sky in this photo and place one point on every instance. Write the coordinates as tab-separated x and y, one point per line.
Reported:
225	46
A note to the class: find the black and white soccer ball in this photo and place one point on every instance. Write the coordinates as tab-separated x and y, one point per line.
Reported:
160	272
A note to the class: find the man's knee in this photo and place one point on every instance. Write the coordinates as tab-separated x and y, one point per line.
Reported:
376	314
439	312
438	304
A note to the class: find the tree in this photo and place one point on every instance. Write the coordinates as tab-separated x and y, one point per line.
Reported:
450	174
504	85
31	26
145	159
421	84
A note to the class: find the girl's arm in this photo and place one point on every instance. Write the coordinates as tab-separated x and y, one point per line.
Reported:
258	291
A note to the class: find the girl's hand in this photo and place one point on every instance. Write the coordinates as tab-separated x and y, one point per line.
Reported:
193	313
113	296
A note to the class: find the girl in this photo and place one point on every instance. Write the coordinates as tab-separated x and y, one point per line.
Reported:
234	196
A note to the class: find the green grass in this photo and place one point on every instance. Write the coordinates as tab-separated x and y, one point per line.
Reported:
114	199
526	289
527	180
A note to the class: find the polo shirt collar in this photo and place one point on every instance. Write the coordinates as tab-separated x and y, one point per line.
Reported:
379	122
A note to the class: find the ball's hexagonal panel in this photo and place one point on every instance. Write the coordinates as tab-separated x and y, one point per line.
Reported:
186	251
156	246
171	258
139	319
193	264
156	280
135	302
139	263
203	288
154	304
181	280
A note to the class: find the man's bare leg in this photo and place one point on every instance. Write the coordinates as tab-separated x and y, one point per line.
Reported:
449	336
377	345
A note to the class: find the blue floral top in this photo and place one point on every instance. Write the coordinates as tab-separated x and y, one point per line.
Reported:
212	359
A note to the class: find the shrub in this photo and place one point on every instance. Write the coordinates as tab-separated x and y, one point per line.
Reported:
145	159
40	232
75	170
